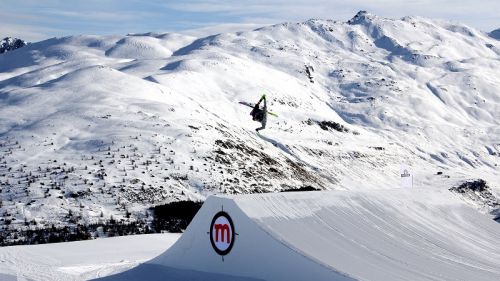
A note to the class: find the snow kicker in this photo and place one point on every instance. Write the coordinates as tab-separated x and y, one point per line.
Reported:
403	234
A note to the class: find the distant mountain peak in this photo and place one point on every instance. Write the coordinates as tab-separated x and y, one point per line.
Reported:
10	44
361	17
495	34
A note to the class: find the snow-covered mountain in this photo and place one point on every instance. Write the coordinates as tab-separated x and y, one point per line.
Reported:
495	33
10	44
100	127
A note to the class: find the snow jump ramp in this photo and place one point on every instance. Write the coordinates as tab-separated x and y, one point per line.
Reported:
338	235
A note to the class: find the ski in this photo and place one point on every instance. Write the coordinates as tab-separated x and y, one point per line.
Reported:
249	104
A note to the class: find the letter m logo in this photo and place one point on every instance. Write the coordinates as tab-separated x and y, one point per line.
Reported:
222	229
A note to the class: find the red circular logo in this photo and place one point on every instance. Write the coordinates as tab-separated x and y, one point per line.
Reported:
222	233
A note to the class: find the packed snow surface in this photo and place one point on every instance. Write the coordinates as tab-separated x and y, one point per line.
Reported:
81	260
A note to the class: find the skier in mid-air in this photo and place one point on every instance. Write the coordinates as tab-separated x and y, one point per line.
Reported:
260	114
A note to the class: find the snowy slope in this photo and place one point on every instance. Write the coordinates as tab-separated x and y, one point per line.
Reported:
81	260
94	127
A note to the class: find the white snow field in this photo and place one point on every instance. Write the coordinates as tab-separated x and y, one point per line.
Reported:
96	129
82	260
104	126
393	234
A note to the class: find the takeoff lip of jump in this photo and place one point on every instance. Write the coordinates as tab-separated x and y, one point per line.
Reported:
339	235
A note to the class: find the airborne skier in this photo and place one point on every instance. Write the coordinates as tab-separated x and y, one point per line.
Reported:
259	114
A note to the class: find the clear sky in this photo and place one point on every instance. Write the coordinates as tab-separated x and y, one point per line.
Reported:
34	20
